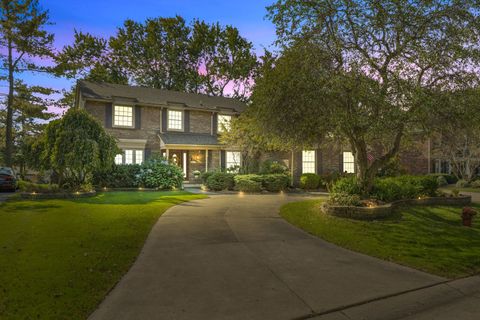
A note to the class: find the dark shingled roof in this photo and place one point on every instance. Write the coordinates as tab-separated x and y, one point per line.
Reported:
151	96
188	138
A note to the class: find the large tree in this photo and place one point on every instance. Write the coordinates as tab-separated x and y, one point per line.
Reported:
364	70
22	38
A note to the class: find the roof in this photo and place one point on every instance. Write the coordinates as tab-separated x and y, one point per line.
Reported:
152	96
188	138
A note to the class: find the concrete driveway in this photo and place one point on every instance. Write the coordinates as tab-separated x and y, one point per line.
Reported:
233	257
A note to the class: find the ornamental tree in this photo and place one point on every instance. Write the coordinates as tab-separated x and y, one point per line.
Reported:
363	71
74	147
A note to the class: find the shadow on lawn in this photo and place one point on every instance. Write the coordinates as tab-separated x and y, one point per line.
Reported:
32	206
136	198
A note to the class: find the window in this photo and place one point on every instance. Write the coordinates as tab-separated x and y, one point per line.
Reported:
308	161
232	160
123	116
348	162
138	156
175	120
119	159
128	156
223	122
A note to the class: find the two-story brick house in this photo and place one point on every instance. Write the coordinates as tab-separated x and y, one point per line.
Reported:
184	127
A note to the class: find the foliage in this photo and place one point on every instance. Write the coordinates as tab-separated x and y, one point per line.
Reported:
392	168
275	182
60	257
160	174
451	179
218	181
205	175
310	181
455	192
165	53
404	187
248	183
23	39
442	181
272	167
462	184
413	236
346	185
475	184
118	176
27	186
75	146
344	199
367	73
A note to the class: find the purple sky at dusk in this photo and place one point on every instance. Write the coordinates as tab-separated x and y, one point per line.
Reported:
102	17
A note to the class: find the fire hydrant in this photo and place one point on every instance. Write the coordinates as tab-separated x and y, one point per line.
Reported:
467	216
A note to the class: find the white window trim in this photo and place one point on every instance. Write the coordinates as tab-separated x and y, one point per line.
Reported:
113	116
349	162
134	156
219	124
314	161
182	121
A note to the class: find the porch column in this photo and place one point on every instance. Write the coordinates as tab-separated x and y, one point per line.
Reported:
206	160
168	154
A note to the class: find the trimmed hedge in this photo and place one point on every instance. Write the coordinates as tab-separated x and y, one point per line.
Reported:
119	176
248	183
310	181
275	182
218	181
26	186
256	182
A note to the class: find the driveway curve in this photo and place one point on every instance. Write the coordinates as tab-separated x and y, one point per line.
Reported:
234	257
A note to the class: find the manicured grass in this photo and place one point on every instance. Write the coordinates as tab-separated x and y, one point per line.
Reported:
450	187
58	258
427	238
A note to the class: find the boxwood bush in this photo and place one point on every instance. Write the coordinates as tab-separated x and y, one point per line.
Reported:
442	181
218	181
275	182
310	181
248	183
118	176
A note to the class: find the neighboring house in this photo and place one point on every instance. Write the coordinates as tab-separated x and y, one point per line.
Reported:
184	127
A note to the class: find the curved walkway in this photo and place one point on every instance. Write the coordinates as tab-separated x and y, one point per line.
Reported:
234	257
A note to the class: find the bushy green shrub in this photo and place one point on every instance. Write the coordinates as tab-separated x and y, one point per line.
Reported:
204	176
451	179
218	181
275	182
26	186
462	184
344	199
159	174
118	176
475	184
346	185
248	183
310	181
442	181
272	167
404	187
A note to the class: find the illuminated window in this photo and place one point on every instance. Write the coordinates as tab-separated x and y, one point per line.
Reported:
123	116
232	160
308	161
138	156
128	156
223	122
175	120
348	162
119	159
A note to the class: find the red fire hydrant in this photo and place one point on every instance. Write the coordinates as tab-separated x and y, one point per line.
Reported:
467	216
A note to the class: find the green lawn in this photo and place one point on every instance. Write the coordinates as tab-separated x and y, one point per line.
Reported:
58	258
427	238
450	187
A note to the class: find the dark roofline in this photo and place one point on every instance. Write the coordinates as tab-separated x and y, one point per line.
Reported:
103	91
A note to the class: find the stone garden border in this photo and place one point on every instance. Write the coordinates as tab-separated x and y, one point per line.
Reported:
383	211
60	195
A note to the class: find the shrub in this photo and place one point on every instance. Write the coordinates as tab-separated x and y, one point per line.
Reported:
275	182
462	184
347	185
442	181
310	181
455	192
218	181
119	176
272	167
204	176
248	183
451	179
26	186
475	184
404	187
344	199
160	174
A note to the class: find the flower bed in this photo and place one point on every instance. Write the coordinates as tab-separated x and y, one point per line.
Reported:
382	211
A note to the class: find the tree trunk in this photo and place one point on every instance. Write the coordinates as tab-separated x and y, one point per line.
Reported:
9	120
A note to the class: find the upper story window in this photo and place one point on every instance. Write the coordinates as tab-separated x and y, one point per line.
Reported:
348	162
123	116
223	122
175	120
308	161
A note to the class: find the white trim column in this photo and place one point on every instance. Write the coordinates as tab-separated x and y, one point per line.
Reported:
206	160
185	164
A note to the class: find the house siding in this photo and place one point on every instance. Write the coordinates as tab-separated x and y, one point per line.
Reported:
200	122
